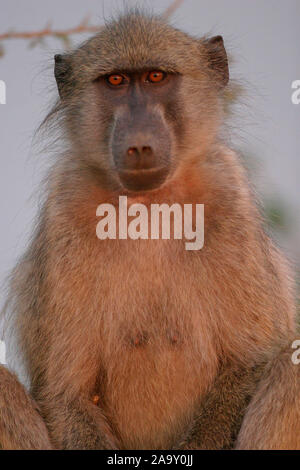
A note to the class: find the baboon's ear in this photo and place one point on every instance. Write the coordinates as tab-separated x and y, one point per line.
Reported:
218	60
62	72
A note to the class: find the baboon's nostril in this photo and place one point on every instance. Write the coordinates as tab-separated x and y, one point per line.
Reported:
140	157
147	149
139	151
132	151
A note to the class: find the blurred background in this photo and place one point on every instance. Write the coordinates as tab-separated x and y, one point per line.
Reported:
262	38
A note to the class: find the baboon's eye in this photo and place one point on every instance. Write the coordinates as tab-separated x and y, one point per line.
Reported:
156	76
115	79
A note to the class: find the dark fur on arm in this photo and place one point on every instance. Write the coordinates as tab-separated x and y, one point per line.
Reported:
220	413
21	425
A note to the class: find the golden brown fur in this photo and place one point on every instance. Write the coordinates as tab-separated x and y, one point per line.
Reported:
272	420
165	337
21	426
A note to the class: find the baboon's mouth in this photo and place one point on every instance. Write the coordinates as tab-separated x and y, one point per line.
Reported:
143	180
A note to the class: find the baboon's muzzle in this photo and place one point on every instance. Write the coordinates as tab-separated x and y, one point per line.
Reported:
141	149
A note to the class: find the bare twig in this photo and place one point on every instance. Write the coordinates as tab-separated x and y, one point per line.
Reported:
172	8
83	27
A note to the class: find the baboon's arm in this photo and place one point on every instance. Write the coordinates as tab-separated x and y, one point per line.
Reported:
220	413
21	426
272	420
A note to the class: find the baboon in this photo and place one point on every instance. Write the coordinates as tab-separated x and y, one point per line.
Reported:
141	344
21	426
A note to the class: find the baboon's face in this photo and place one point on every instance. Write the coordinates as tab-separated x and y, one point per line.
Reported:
142	130
140	98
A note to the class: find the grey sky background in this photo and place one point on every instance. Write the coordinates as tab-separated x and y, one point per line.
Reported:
263	36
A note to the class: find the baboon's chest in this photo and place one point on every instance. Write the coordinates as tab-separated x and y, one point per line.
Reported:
157	354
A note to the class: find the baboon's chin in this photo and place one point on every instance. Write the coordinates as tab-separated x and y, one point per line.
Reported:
143	180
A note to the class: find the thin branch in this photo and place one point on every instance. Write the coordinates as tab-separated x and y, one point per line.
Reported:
83	27
172	8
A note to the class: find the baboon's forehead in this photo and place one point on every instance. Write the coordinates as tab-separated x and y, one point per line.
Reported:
138	42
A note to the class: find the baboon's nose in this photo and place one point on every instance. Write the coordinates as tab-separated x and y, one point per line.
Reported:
140	157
